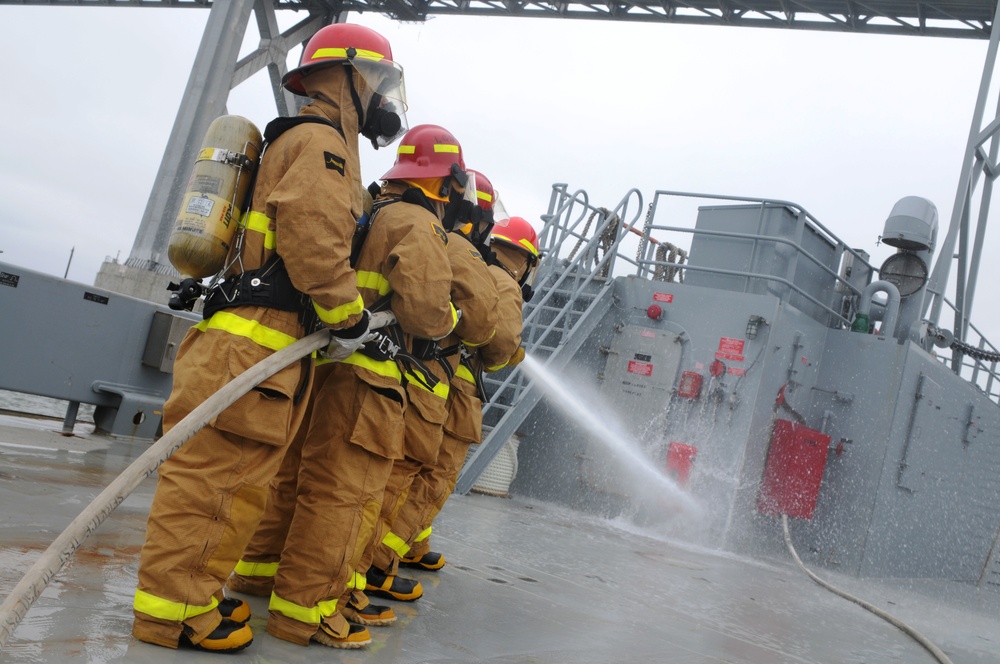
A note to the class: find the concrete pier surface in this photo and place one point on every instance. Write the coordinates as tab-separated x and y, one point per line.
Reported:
525	583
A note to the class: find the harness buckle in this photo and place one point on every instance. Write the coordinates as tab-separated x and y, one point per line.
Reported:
383	345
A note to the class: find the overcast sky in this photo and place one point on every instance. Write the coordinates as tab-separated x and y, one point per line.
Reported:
842	124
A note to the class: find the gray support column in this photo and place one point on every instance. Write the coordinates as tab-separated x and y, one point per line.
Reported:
272	52
215	73
204	100
976	162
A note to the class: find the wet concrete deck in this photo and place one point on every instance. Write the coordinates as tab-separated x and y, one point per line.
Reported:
526	582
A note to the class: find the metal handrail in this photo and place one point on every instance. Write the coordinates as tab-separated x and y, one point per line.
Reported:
568	213
971	368
562	206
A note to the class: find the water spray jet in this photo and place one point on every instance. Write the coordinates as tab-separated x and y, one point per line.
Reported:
625	449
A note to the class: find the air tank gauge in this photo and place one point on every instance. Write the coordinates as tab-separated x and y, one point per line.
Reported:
906	271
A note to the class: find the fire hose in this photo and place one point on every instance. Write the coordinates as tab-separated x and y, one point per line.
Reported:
16	605
937	653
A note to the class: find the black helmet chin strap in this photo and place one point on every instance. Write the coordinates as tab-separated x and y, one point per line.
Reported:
458	210
354	94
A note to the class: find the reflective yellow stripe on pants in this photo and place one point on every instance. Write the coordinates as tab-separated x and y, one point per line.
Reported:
311	615
259	570
357	582
166	609
396	543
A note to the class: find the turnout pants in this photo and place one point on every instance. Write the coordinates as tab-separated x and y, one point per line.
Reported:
212	491
435	481
324	505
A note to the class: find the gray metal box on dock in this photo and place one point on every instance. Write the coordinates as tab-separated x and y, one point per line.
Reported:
166	331
761	240
78	343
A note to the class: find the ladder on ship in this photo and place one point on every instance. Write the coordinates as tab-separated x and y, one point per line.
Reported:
573	293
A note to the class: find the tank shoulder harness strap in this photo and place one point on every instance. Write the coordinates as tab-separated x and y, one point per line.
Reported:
272	131
279	126
269	285
412	195
476	370
365	224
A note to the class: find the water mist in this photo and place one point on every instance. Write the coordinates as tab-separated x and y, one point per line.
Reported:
649	481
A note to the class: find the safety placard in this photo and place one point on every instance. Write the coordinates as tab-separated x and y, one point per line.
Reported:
200	205
663	297
730	349
641	368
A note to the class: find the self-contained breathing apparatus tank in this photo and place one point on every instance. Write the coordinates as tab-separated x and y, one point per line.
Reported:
215	198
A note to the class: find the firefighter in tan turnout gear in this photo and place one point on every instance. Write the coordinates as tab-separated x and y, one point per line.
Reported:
474	293
514	262
289	269
324	506
408	541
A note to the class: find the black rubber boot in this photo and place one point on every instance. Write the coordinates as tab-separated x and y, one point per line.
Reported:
431	561
235	609
395	587
373	614
229	636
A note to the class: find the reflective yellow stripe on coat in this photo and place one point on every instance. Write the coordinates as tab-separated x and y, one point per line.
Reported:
341	313
463	372
261	223
373	281
387	368
440	390
244	327
481	343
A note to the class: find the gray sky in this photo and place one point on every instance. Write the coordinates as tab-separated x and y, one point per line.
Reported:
841	124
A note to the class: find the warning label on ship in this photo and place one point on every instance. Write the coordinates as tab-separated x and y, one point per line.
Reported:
663	297
641	368
8	279
730	349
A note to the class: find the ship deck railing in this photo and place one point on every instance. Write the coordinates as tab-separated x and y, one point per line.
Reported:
596	243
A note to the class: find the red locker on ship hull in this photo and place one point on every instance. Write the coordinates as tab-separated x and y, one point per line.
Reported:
679	460
794	470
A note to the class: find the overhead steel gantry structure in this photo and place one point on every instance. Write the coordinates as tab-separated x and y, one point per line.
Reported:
944	18
218	66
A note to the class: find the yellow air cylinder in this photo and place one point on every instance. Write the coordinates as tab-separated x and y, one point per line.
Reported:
216	192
